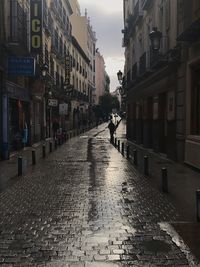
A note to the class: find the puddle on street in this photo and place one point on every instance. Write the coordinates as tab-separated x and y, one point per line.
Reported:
156	246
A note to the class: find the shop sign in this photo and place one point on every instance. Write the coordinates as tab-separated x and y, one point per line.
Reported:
67	69
52	102
63	109
36	26
21	66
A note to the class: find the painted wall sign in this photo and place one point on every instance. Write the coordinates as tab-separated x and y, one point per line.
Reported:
63	109
36	26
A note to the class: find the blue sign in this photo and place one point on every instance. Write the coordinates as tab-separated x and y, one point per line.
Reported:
21	66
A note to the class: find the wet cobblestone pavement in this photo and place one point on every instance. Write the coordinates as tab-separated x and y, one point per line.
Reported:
86	206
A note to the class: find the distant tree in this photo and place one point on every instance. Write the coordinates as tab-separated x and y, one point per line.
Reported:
108	102
107	85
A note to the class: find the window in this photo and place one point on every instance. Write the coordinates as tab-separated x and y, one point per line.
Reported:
18	23
56	39
46	54
195	103
61	45
64	17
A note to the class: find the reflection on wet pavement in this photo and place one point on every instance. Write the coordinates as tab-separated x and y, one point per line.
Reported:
86	206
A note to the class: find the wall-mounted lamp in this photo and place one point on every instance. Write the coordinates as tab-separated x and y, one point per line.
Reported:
155	37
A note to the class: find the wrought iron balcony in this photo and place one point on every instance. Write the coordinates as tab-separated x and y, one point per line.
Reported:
131	22
126	38
18	25
137	14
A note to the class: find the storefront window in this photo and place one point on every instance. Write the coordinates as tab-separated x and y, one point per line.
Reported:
195	105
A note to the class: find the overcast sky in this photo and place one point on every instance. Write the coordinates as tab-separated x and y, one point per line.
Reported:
106	17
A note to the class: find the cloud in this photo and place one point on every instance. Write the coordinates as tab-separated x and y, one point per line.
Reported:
106	6
113	65
106	17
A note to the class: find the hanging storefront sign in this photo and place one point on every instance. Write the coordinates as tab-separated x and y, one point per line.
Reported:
67	69
63	109
36	26
24	66
52	102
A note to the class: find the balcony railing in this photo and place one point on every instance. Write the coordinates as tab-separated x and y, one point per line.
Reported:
18	24
137	14
74	94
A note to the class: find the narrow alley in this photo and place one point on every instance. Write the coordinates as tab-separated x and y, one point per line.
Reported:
86	205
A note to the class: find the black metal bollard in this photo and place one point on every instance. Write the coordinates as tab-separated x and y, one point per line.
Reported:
146	165
135	157
127	152
198	204
59	141
122	149
20	165
55	144
33	157
118	146
43	150
164	180
115	142
50	146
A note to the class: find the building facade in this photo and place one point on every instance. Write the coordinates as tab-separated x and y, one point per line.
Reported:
2	72
83	32
16	97
163	86
37	37
79	81
100	76
188	84
151	76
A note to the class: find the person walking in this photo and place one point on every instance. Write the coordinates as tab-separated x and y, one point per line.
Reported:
111	127
55	127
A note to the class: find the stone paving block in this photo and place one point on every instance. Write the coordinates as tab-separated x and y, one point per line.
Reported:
113	257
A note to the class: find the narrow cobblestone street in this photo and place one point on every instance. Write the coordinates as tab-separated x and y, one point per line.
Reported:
86	206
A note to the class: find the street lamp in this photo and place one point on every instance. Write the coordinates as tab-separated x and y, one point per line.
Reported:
65	86
155	38
44	70
120	76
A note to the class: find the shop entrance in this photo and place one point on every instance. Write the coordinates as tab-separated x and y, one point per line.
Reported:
18	122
